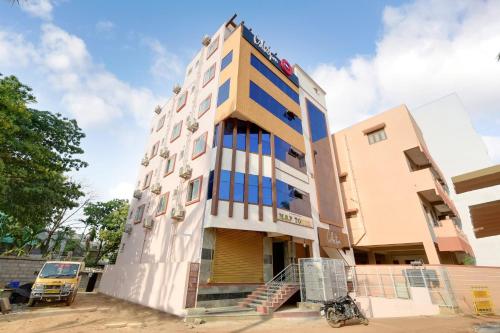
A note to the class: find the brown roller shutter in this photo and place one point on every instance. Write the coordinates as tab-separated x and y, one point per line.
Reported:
238	257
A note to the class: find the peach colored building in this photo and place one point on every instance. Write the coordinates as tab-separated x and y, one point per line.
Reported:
395	197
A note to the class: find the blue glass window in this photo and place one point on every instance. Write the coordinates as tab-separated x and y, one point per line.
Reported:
226	60
224	184
254	139
269	74
272	105
241	136
253	189
223	94
228	134
267	191
266	143
291	199
210	185
216	136
317	122
239	186
286	153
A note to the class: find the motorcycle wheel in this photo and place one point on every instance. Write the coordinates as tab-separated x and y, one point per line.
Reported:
332	319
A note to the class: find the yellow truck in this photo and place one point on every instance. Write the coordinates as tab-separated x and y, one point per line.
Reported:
56	281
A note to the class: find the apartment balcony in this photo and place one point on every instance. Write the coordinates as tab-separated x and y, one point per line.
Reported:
451	238
431	189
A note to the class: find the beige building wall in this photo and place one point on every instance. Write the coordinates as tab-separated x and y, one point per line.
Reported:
384	199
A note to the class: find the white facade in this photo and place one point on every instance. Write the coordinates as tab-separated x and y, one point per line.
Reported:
457	149
155	264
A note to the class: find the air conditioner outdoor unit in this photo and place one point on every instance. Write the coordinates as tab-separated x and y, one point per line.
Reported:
158	109
206	40
145	160
156	188
148	223
178	213
128	228
164	152
192	125
176	89
185	172
137	194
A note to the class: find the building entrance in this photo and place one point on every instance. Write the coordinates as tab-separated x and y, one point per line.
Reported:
278	257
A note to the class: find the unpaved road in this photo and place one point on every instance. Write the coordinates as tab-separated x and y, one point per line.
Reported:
83	316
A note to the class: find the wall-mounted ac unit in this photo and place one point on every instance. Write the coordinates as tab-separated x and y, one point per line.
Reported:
176	89
145	160
156	188
148	223
185	171
192	124
206	40
137	194
128	228
158	109
178	213
164	152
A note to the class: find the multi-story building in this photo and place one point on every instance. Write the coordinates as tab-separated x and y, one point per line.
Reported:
458	149
237	182
395	197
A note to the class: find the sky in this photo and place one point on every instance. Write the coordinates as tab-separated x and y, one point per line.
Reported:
108	63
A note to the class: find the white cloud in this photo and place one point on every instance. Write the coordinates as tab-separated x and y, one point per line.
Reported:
84	89
122	190
38	8
105	26
493	145
428	49
166	65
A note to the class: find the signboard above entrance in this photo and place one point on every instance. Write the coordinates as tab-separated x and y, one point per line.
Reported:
292	218
281	64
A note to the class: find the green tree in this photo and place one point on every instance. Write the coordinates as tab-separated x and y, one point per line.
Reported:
106	222
38	149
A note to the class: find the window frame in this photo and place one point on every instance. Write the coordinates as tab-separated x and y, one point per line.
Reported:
371	135
180	107
140	208
166	173
161	123
164	195
216	42
213	76
147	180
205	136
154	149
172	139
200	179
209	97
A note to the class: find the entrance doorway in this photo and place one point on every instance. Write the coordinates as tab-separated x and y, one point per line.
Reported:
278	257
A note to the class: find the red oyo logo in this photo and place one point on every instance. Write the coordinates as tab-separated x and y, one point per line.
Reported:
286	67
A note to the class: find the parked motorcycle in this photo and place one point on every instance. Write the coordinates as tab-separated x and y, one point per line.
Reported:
338	311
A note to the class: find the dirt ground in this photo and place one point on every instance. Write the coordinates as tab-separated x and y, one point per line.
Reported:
95	313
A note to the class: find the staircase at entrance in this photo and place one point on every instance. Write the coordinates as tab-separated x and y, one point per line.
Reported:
269	297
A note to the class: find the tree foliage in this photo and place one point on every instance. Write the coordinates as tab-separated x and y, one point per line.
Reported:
37	150
106	221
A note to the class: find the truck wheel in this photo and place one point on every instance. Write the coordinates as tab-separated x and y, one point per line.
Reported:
70	299
31	302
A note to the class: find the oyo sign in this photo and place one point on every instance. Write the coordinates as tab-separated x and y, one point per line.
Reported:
286	67
261	45
265	48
